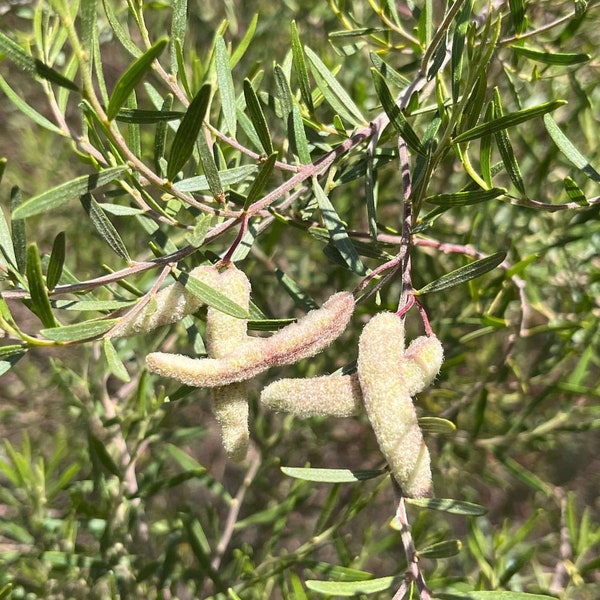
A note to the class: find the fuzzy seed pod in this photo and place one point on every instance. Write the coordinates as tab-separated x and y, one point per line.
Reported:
303	339
224	334
331	395
421	363
389	405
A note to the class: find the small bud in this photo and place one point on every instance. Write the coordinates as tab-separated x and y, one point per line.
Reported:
331	395
303	339
389	405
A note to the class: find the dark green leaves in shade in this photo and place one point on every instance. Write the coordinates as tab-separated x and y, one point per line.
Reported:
330	475
509	120
103	226
33	66
569	150
135	115
465	198
131	77
40	303
226	88
395	115
299	62
443	549
261	180
448	505
57	261
574	192
517	15
337	232
187	133
79	331
553	58
464	274
66	191
257	116
211	297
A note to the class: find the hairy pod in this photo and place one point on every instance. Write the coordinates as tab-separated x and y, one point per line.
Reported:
389	404
331	395
303	339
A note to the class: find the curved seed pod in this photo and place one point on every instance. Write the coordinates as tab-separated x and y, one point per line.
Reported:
168	305
303	339
389	405
421	363
331	395
224	334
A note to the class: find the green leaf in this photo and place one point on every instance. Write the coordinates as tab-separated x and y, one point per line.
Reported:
299	62
448	505
40	303
103	226
131	77
553	58
99	453
299	139
337	232
226	88
136	115
120	32
179	24
509	120
257	116
79	331
517	14
187	132
395	115
568	149
211	170
244	43
463	274
387	72
18	233
465	198
64	192
226	177
211	297
10	355
352	588
284	93
333	92
160	136
436	425
443	549
330	475
261	180
458	45
6	244
115	364
57	261
574	192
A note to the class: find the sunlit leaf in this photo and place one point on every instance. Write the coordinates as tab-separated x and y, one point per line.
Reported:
79	331
553	58
261	180
454	507
352	588
257	116
56	261
226	88
299	61
40	303
330	475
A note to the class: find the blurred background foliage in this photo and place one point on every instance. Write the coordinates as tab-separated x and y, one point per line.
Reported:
114	485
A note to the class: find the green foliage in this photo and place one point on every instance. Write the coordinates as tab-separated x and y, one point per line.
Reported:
442	154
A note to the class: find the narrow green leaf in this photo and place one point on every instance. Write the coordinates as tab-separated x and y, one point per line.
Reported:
197	236
211	297
57	261
211	170
226	177
92	305
458	45
103	226
387	72
437	425
257	116
115	364
330	475
64	192
284	93
443	549
261	180
131	77
569	150
337	232
517	14
27	110
352	588
465	198
169	483
397	118
40	303
485	148
244	42
99	453
79	331
298	136
187	133
509	120
121	34
299	62
129	115
553	58
334	93
160	136
179	24
6	244
464	274
574	192
89	16
226	88
301	299
448	505
18	233
10	355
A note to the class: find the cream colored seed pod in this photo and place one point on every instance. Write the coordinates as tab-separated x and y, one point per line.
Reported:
421	363
303	339
331	395
224	334
389	405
